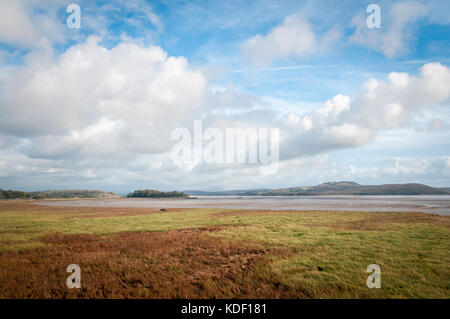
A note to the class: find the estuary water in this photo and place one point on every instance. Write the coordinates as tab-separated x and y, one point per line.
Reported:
439	204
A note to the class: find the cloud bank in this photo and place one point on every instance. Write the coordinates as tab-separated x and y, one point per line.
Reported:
98	112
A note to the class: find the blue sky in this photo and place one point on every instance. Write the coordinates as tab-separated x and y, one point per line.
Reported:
95	107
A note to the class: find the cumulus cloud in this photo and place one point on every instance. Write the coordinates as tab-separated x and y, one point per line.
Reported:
99	114
425	169
293	37
129	96
396	102
434	170
347	134
107	115
32	24
15	25
94	115
381	105
396	32
42	23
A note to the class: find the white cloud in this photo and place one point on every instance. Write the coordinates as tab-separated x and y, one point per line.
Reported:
72	99
32	24
396	33
97	115
93	113
330	111
343	122
293	37
347	134
291	120
422	168
41	23
395	103
101	134
15	25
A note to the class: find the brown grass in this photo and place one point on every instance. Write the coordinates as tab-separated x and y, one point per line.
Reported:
173	264
29	206
380	220
220	253
78	212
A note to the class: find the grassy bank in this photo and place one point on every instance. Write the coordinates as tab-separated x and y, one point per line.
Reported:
140	252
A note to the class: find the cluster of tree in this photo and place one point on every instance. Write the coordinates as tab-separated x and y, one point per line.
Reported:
9	194
74	194
151	193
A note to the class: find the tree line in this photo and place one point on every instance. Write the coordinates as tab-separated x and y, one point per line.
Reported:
151	193
10	194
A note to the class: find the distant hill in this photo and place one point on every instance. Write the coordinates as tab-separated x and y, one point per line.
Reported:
335	188
224	193
331	188
9	194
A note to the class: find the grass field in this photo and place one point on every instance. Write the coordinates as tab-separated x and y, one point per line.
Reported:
219	253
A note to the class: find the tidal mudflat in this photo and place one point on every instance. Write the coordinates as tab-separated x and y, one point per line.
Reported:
426	203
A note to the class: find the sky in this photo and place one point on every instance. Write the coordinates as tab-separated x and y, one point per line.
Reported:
95	107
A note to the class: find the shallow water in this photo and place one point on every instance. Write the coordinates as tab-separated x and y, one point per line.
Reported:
426	203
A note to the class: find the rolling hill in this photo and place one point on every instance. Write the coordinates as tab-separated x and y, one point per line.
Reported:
333	188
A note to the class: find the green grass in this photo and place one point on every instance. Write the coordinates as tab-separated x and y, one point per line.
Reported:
22	227
413	255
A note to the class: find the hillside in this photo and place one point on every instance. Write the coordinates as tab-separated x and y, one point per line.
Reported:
226	193
335	188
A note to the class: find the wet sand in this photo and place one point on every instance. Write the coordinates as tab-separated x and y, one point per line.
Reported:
427	204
